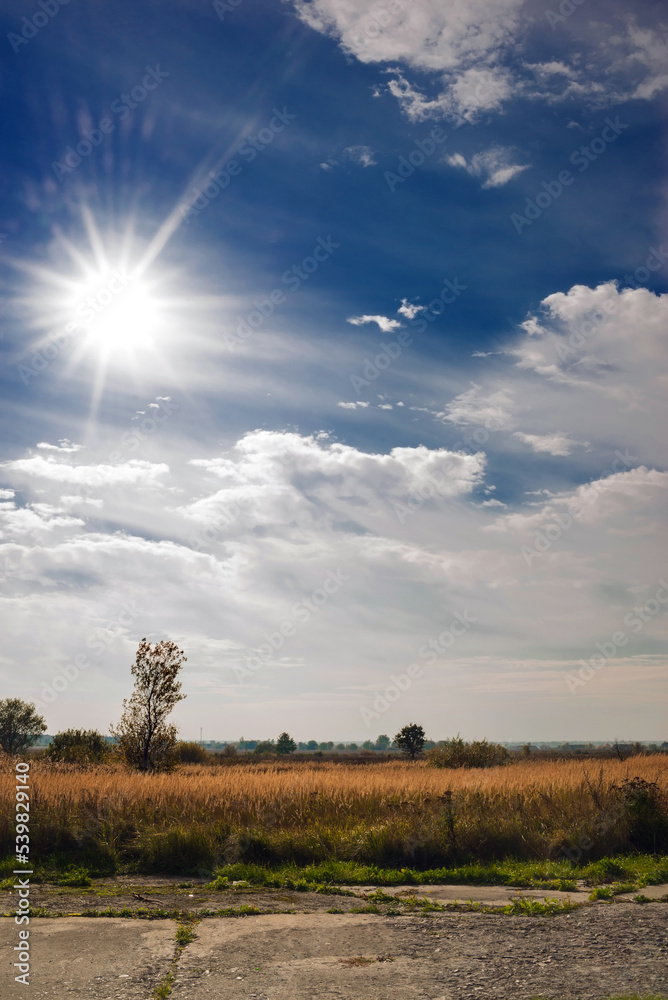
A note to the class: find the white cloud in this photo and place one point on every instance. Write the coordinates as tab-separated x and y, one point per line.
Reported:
469	50
63	447
409	309
386	325
353	406
216	547
553	444
135	471
493	165
592	359
363	155
477	406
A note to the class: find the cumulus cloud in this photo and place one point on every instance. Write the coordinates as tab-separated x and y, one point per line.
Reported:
353	406
591	358
410	309
493	165
469	53
386	325
217	547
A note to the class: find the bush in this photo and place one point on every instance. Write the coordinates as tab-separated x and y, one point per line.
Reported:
191	753
78	746
458	753
647	814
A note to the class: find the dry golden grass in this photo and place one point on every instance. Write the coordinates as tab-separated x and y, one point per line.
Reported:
382	812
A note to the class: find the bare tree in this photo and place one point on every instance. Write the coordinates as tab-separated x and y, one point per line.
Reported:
145	740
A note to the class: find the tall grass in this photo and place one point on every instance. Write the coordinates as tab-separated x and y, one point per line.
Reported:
392	814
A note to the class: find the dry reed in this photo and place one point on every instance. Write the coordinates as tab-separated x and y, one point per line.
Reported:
388	813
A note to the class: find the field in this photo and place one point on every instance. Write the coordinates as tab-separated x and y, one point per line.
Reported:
328	818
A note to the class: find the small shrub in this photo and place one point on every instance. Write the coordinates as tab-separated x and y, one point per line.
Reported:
191	753
78	746
647	813
458	753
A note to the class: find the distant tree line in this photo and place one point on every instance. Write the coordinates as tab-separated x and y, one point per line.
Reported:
145	740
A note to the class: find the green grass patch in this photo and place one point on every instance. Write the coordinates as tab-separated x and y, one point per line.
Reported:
628	872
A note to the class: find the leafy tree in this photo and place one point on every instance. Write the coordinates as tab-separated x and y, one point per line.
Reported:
20	725
79	746
285	744
145	740
312	745
383	743
368	745
264	746
411	740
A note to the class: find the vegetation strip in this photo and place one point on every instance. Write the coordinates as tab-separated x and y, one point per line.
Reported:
184	935
562	815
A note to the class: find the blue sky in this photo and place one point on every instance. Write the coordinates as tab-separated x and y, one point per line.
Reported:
334	350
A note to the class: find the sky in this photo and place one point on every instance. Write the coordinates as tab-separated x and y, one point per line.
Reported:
334	350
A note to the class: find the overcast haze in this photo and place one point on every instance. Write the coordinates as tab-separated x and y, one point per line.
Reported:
334	342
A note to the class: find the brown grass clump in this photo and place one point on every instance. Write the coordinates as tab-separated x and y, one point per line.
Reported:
394	813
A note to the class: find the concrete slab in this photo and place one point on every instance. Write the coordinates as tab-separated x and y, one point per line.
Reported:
300	956
95	958
494	895
650	891
595	952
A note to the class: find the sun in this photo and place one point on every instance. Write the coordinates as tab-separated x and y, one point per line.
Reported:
115	310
